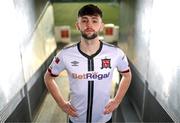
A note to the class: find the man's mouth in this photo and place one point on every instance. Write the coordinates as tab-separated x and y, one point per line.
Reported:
89	30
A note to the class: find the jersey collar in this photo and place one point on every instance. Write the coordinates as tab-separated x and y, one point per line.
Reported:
93	55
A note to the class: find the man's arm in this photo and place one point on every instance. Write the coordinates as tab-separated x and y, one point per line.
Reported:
122	89
55	92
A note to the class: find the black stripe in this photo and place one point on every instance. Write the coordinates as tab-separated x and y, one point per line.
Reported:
126	71
90	101
90	65
90	93
50	72
89	62
90	83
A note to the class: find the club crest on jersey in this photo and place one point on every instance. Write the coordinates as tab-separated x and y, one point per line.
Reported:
106	63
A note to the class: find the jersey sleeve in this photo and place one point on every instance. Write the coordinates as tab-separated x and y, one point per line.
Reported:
122	62
57	65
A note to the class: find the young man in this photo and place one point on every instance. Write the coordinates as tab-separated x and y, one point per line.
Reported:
90	64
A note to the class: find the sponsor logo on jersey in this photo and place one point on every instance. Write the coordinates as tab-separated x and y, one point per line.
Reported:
74	63
106	63
93	75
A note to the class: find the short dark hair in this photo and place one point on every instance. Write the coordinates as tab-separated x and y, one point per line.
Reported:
90	9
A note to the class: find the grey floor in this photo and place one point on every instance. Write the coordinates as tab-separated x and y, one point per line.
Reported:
49	111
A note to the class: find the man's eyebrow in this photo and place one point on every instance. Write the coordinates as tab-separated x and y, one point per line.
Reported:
94	17
84	17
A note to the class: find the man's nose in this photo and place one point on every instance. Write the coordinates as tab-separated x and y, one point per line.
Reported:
89	24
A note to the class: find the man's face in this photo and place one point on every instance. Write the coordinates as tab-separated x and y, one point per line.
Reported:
89	26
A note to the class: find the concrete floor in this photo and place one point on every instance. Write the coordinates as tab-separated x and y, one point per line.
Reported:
49	111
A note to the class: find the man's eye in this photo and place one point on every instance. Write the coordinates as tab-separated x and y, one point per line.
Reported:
84	21
95	21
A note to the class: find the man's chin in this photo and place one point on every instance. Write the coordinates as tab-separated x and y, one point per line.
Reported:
90	37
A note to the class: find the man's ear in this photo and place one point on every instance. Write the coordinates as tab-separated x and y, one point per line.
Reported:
102	27
77	26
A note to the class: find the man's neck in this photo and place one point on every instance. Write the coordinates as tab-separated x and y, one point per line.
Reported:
89	47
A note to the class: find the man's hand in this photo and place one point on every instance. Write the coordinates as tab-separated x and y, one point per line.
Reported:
69	109
111	106
123	87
